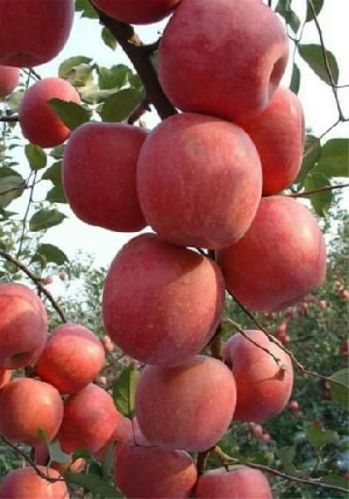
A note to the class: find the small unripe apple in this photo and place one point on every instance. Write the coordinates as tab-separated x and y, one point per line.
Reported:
136	11
9	78
25	483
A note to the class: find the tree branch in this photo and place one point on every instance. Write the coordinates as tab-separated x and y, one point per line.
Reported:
315	191
9	119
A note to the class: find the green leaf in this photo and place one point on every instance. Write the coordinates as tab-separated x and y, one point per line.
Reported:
11	187
56	454
317	4
312	150
73	115
54	173
76	70
57	152
334	160
119	107
56	195
115	77
92	483
319	437
36	157
86	9
51	254
124	391
340	390
108	38
285	10
45	218
336	480
295	79
287	455
320	201
314	56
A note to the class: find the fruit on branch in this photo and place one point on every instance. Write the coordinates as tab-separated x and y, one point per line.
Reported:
28	406
240	482
281	258
123	434
39	123
199	181
263	387
188	406
90	420
23	326
29	37
278	133
177	300
159	472
25	483
71	359
105	155
5	376
136	11
228	62
9	78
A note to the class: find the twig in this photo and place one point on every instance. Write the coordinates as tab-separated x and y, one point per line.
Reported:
138	112
315	191
201	461
24	221
9	119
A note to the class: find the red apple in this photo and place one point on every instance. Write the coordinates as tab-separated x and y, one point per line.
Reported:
223	58
136	11
23	326
123	434
35	35
199	181
39	123
263	388
28	406
71	359
345	348
186	407
5	376
177	298
281	258
99	175
9	78
25	483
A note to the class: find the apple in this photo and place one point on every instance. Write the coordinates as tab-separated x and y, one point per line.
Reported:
199	181
9	79
188	406
136	11
153	472
99	175
177	299
5	376
263	388
23	326
71	359
29	37
25	483
38	121
281	258
345	348
226	63
123	434
278	133
28	406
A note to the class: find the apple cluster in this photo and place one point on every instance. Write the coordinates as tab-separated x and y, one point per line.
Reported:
208	178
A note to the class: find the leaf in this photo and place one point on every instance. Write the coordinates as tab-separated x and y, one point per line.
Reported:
73	115
295	79
51	254
76	70
334	160
314	56
336	480
312	150
317	4
56	454
92	483
56	195
287	455
57	152
320	201
115	77
285	10
124	391
45	218
36	157
108	38
319	437
340	392
119	107
86	9
11	187
54	173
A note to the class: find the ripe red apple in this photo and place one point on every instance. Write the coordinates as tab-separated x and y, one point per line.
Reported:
5	376
9	78
23	326
153	472
28	406
123	434
278	133
263	388
25	483
90	419
199	181
39	123
226	63
177	299
35	35
186	407
99	175
137	11
281	258
71	359
240	482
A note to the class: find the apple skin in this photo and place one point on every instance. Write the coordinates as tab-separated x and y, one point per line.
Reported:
71	359
39	123
177	300
263	388
25	483
23	326
188	406
278	133
227	63
137	11
29	37
9	78
90	419
123	434
26	406
211	195
160	472
281	258
239	483
5	376
99	175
